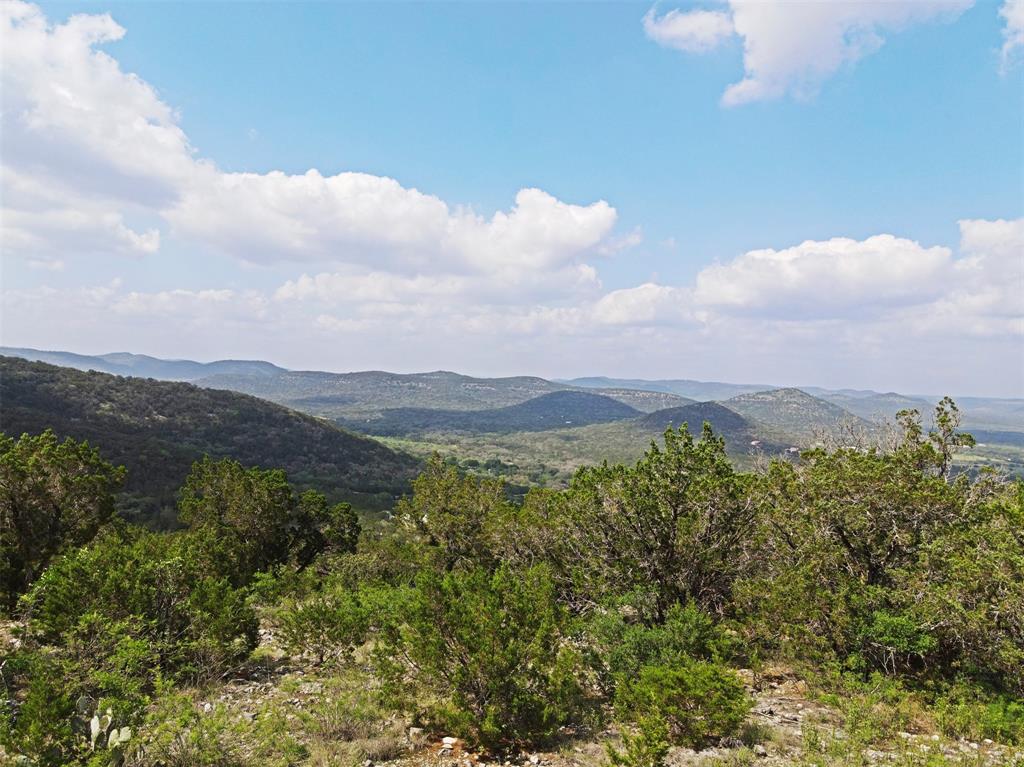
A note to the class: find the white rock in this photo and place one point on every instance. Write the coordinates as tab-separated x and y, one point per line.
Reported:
760	750
449	741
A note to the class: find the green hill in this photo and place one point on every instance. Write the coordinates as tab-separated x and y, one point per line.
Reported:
741	435
874	406
645	401
157	429
557	410
722	419
793	415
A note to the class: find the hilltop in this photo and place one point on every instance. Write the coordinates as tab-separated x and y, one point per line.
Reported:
645	401
794	414
368	393
157	429
144	366
682	387
722	419
556	410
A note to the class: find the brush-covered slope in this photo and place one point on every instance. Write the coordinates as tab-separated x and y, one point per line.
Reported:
645	401
722	419
875	406
369	393
742	436
158	428
556	410
793	413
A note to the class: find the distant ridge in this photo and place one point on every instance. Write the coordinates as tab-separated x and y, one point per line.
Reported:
793	413
144	366
695	390
369	393
556	410
357	396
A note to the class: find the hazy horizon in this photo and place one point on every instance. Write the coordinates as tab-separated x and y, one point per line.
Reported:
549	377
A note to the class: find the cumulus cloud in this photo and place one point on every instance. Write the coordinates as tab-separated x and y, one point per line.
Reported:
89	149
832	278
882	286
1012	12
691	31
831	311
791	48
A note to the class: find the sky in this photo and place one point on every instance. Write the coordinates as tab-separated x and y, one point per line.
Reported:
797	193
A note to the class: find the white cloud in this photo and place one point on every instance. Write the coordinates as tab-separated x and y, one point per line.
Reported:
88	150
843	312
1012	12
356	287
833	278
691	31
791	48
646	304
883	285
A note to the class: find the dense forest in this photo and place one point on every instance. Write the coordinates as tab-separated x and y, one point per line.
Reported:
669	612
157	429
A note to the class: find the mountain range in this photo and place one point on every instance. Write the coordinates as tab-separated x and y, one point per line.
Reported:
550	426
367	394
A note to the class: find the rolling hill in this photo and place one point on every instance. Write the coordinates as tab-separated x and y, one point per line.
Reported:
368	394
645	401
157	429
722	419
793	415
742	435
700	391
557	410
356	397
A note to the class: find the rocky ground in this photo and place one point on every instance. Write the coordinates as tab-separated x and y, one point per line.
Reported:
282	710
787	727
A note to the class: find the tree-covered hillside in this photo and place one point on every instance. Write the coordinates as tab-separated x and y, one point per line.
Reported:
158	429
794	414
367	393
556	410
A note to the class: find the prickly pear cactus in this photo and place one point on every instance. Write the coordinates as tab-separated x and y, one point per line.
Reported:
103	734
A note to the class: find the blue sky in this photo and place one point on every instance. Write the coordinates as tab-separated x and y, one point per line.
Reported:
916	131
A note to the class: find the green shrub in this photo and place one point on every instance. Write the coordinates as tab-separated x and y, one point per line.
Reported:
697	700
965	711
491	649
332	622
624	647
40	724
647	747
54	495
894	641
197	624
